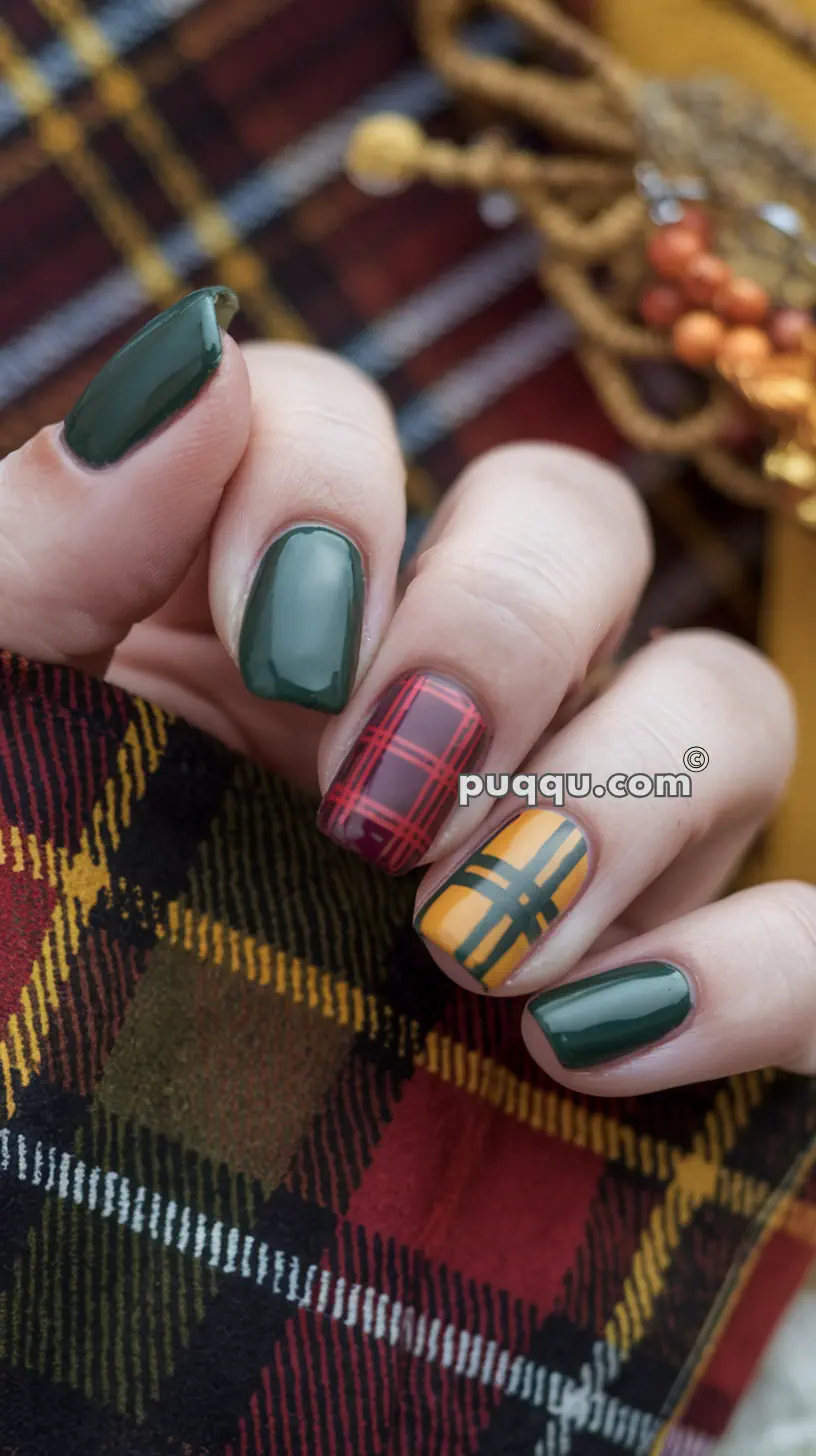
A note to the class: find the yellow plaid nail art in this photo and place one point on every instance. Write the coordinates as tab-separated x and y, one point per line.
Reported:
491	912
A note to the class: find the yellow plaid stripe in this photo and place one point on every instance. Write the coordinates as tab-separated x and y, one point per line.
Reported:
80	879
699	1175
784	1213
195	38
63	139
126	101
691	1179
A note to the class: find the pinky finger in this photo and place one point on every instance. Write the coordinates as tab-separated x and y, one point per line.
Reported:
730	988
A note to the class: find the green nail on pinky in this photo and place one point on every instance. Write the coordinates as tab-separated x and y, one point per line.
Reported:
612	1015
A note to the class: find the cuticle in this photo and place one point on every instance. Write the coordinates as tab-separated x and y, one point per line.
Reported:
74	459
299	524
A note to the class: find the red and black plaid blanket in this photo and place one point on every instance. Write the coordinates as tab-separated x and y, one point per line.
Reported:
269	1183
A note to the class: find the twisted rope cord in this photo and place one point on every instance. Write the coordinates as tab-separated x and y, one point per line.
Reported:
586	208
582	110
773	15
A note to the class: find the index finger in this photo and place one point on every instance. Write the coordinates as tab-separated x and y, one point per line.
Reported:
306	546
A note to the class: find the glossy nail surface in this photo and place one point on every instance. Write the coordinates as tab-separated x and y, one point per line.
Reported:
610	1016
499	904
399	783
300	637
159	371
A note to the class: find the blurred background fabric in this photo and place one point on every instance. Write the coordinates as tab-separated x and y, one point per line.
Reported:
150	146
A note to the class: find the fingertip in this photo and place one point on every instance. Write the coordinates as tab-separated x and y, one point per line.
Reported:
101	517
152	380
341	378
215	427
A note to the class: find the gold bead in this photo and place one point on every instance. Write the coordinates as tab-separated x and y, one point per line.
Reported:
792	466
806	512
782	395
385	151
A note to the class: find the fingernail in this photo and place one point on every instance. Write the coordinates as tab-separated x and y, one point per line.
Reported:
159	371
300	637
507	895
399	783
609	1016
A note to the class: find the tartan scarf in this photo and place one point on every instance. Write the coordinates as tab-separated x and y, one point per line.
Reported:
269	1182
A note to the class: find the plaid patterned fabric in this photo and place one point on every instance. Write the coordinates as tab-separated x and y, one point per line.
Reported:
268	1182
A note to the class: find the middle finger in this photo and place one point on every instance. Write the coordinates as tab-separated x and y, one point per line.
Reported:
529	575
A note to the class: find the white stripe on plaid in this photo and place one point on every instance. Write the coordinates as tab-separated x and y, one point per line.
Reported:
684	1442
532	344
125	25
271	191
250	204
572	1407
450	300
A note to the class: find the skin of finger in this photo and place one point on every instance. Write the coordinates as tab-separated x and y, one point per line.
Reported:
683	690
704	869
322	450
85	553
751	962
541	558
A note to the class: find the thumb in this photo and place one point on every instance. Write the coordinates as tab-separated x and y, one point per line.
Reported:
100	520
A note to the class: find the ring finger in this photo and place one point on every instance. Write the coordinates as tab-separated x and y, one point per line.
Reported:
497	917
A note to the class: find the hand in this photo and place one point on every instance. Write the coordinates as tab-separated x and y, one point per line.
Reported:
221	531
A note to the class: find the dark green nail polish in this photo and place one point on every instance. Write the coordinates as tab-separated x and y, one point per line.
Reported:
614	1014
300	637
159	371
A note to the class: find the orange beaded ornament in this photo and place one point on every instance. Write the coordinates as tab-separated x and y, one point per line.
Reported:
705	276
673	248
698	338
662	305
719	321
743	302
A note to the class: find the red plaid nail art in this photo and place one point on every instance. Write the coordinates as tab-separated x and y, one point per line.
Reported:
399	783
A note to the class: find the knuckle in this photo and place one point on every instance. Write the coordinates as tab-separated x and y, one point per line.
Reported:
726	673
574	474
319	369
324	408
513	594
784	936
796	904
556	463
